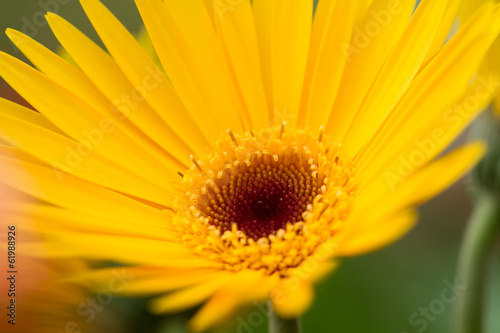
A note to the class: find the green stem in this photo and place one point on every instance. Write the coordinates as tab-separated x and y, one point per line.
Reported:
282	325
473	262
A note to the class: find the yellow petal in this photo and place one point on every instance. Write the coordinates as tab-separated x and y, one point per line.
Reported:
18	154
186	43
67	156
396	74
365	237
169	280
333	26
143	72
43	183
444	29
468	8
251	286
263	13
315	267
70	77
71	114
190	296
218	308
124	249
125	98
291	24
366	53
27	115
380	215
236	28
427	99
292	297
283	31
50	217
411	149
385	197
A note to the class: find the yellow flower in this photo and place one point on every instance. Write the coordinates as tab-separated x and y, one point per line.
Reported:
266	145
491	63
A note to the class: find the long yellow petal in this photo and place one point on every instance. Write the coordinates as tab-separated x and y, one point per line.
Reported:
28	115
366	53
217	309
143	72
332	26
44	183
290	36
262	12
444	29
169	280
252	286
50	217
72	78
396	74
412	149
186	43
68	156
431	93
71	114
125	98
124	249
393	193
60	250
380	216
19	154
365	238
236	28
190	296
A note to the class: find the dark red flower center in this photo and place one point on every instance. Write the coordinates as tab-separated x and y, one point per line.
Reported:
263	200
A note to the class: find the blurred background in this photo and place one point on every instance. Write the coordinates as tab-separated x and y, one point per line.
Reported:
395	290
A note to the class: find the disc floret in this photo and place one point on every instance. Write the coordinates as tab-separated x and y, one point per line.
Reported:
265	200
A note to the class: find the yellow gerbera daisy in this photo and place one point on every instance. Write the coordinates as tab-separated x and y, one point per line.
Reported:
491	64
269	142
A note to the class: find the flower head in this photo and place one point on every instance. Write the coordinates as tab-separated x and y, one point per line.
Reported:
268	143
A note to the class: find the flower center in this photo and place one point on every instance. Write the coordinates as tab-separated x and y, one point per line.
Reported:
262	200
265	200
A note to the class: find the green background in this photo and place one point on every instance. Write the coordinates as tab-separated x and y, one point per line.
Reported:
375	293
